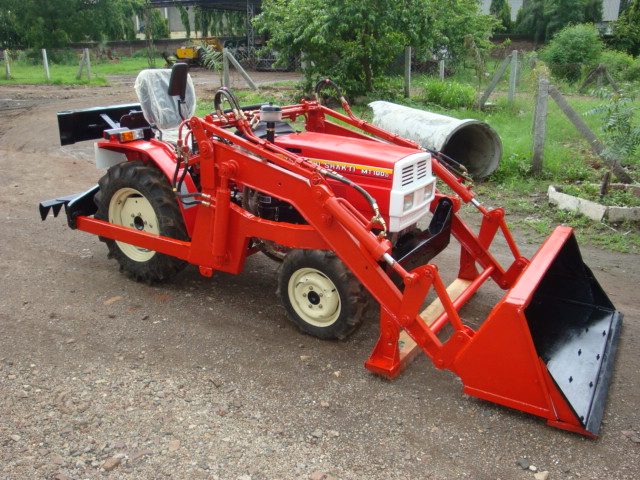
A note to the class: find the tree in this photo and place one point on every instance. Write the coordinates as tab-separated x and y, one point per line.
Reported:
593	11
571	49
531	21
541	19
626	30
56	23
502	11
560	13
157	26
355	41
10	36
184	18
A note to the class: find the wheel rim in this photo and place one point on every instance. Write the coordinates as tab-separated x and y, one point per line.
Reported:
129	208
314	297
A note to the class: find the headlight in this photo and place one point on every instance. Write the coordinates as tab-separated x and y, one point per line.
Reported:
408	202
428	190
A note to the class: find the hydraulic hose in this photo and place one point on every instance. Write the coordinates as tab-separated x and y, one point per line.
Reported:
377	218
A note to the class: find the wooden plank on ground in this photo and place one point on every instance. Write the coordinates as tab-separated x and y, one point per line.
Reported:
408	348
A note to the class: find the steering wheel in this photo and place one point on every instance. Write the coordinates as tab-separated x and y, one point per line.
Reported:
225	94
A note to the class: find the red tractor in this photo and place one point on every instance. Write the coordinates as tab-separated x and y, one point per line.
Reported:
338	202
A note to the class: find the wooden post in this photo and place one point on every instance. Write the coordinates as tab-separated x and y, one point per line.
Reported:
88	62
441	69
7	67
513	75
407	72
225	68
591	138
540	125
82	60
46	64
494	81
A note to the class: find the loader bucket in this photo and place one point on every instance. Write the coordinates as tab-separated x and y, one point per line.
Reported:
549	346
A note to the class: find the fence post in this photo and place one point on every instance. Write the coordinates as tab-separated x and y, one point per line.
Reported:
441	69
79	74
611	80
513	75
7	67
245	75
540	124
494	81
590	137
88	63
407	72
225	68
46	64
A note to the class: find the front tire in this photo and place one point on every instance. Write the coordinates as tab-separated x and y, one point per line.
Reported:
320	294
135	195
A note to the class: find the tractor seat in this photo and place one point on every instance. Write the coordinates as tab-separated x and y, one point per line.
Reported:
158	107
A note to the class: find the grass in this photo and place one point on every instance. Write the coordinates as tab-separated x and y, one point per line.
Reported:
614	197
23	71
530	214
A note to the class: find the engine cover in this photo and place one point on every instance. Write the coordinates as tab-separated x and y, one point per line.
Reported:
399	178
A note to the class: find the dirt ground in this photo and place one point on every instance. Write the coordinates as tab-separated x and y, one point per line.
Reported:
204	378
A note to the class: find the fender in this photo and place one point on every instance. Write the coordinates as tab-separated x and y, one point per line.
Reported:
161	155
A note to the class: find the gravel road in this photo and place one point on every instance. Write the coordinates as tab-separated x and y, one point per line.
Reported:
204	378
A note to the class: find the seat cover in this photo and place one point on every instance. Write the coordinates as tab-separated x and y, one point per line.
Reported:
159	108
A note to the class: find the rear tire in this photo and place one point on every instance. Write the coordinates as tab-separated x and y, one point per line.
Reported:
135	195
320	294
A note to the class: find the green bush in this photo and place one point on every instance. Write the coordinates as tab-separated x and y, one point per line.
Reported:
617	63
633	72
448	94
620	128
571	49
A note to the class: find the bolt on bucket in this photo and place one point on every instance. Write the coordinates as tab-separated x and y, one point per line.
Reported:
473	143
548	347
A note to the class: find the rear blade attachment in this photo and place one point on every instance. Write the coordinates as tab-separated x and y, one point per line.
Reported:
75	205
549	346
55	205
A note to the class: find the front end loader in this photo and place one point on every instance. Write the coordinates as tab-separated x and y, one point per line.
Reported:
338	203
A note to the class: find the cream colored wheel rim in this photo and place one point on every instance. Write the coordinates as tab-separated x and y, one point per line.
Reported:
130	208
314	297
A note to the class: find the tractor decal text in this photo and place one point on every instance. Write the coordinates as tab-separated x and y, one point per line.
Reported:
354	169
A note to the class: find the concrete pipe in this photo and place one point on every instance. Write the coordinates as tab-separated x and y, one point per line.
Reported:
471	142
